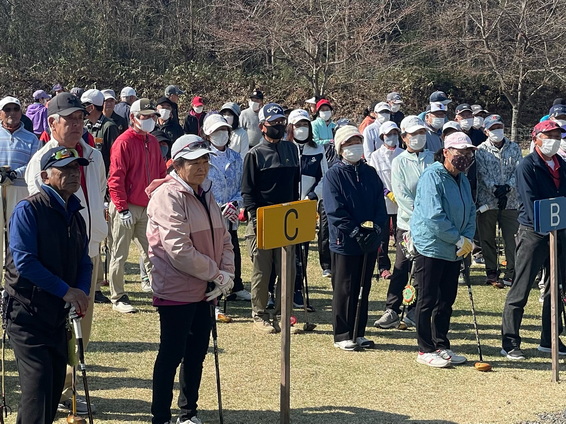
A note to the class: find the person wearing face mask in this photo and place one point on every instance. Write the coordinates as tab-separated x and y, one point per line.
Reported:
249	118
313	167
37	112
135	161
540	175
108	110
369	117
239	141
434	120
270	176
322	126
167	123
372	141
465	118
479	115
226	168
127	96
497	159
406	170
195	117
395	102
442	227
172	92
353	199
381	160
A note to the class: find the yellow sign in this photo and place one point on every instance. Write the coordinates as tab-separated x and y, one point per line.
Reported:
286	224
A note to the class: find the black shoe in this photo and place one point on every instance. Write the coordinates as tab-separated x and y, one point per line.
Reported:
100	298
514	354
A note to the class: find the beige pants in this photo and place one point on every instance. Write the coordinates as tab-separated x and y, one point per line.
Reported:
11	195
121	240
101	273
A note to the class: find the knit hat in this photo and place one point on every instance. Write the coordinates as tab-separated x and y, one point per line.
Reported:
344	134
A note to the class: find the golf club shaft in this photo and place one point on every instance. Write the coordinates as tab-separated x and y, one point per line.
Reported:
303	257
79	336
469	285
216	361
360	295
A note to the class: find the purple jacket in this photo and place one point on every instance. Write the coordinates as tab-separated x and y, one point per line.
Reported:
38	115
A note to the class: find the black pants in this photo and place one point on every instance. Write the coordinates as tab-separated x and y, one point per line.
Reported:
531	254
438	284
384	263
184	337
238	284
41	359
400	277
346	275
301	258
323	235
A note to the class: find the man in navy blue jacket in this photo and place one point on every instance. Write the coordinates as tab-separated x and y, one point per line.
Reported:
352	196
48	270
541	175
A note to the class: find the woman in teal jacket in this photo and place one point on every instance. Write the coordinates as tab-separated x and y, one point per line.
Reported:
322	126
442	227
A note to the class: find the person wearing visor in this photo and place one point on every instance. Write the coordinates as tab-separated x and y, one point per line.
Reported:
442	227
135	162
193	264
540	175
372	140
48	271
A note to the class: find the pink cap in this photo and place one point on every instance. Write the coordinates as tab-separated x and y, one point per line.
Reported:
458	140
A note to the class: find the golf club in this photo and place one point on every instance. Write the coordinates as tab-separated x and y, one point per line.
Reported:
307	326
79	336
73	418
409	296
481	365
4	408
216	362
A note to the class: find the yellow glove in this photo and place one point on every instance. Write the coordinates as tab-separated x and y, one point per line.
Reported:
391	197
464	246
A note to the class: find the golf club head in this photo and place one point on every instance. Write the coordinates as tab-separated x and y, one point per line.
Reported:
402	326
482	366
309	326
75	419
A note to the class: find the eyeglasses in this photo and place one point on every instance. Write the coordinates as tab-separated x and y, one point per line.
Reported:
192	147
277	122
12	109
64	154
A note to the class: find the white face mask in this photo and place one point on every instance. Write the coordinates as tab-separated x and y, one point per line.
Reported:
395	108
549	146
560	122
478	122
382	117
165	114
437	123
219	138
146	125
300	133
198	109
563	145
325	115
253	105
353	153
391	140
417	142
229	119
466	124
495	136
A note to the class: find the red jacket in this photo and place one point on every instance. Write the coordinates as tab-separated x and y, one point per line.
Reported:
135	161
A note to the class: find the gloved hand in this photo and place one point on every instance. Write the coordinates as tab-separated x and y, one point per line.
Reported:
126	219
502	202
368	239
223	283
12	175
501	190
230	211
464	246
389	194
242	217
5	178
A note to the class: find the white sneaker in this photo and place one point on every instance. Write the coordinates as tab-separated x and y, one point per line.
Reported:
346	345
432	359
243	295
327	273
193	420
123	305
452	357
365	343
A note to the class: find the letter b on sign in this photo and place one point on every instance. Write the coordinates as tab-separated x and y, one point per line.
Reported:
554	214
547	214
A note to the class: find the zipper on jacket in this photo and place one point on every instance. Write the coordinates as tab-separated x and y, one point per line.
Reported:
146	147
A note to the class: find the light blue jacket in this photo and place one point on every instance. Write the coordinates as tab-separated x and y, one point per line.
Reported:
321	132
227	179
16	150
444	211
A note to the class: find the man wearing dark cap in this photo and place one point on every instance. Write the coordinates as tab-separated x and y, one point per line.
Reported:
395	102
249	118
540	175
479	115
465	117
48	271
166	123
57	89
172	92
108	111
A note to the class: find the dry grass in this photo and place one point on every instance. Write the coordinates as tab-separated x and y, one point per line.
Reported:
329	386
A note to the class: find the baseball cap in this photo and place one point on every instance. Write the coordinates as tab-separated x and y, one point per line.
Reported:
127	92
7	100
108	94
478	109
77	91
270	112
57	87
257	93
163	100
93	96
40	94
491	120
437	106
451	125
458	140
344	134
214	122
298	115
197	101
190	146
463	107
61	156
439	97
64	104
173	89
557	110
143	107
382	106
559	101
323	102
394	97
387	127
411	124
546	126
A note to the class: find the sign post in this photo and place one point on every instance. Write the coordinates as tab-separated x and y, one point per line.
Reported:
282	226
547	219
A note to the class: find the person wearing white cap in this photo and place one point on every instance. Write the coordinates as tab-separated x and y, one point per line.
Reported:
37	112
239	141
434	120
103	130
226	169
108	111
449	128
372	141
395	102
382	160
406	170
353	199
191	253
127	96
442	227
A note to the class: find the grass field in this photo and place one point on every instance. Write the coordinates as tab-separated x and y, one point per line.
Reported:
383	385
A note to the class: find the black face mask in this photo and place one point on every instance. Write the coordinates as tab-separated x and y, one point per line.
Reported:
275	132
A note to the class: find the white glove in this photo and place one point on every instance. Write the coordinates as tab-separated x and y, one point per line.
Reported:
230	212
126	219
223	283
464	246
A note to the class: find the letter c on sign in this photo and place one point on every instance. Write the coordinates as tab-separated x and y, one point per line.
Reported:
294	236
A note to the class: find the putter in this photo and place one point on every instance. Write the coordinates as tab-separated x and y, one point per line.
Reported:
79	336
308	326
73	418
216	362
481	365
306	285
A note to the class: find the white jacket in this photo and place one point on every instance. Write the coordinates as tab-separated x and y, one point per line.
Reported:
239	141
95	176
381	160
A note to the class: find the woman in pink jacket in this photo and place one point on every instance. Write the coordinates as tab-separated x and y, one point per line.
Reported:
190	250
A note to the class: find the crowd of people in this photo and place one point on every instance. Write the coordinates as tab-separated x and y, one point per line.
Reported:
86	168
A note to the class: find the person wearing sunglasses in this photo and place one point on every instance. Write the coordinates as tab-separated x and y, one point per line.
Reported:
48	271
193	264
